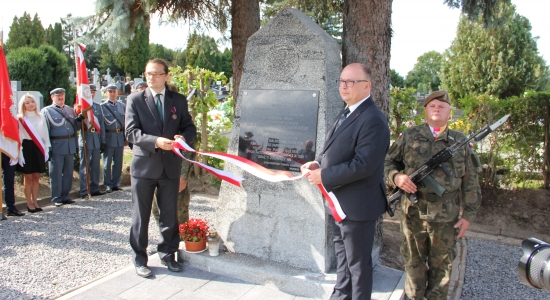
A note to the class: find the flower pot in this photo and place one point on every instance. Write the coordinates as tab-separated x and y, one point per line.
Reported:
195	246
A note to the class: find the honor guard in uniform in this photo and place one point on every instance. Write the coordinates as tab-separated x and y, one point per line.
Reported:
93	145
142	85
431	225
112	139
62	127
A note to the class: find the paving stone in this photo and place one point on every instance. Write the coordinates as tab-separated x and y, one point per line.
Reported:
266	293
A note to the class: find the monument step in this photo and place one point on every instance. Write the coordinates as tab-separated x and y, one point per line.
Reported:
388	283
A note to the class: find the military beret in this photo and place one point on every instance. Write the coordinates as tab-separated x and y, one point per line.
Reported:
438	95
140	84
93	87
57	91
111	87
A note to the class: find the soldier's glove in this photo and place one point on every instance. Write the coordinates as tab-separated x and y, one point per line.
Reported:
102	147
80	117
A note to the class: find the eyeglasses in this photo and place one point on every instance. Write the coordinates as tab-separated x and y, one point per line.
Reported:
349	83
154	75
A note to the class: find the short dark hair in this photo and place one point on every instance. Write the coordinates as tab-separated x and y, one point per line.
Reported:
159	61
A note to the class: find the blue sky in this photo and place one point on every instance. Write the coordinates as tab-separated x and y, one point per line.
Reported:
418	26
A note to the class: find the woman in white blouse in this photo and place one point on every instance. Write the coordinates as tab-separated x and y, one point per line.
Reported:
35	141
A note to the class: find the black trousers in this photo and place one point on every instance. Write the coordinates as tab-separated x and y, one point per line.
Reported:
142	200
353	241
9	182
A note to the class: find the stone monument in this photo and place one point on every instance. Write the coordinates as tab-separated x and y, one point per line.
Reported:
288	82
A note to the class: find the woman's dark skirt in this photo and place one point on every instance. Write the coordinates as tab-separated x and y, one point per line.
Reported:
34	159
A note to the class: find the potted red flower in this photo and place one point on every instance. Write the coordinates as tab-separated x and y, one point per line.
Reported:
194	233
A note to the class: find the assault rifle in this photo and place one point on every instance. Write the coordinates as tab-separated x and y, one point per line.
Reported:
436	161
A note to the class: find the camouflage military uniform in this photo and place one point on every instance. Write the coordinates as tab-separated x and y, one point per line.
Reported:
427	226
184	197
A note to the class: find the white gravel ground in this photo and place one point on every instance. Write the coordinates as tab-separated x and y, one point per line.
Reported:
45	254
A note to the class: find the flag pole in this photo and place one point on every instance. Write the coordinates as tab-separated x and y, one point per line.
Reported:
82	131
2	177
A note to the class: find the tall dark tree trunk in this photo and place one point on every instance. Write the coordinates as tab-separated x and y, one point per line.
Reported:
366	39
245	21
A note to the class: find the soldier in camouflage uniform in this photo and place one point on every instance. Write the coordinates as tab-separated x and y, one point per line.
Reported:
431	227
184	197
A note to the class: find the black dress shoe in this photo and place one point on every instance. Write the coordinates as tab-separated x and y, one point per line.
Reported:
39	209
85	197
15	213
98	193
143	271
116	188
32	211
3	217
172	265
108	190
69	201
58	204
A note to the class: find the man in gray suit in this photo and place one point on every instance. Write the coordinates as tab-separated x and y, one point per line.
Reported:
62	125
92	151
112	139
155	117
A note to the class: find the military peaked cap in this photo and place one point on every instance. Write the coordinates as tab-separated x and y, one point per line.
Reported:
438	95
93	87
111	87
57	91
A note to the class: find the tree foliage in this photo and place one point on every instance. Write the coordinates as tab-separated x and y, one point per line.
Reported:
426	71
202	51
54	36
25	32
41	69
496	61
132	59
396	79
402	110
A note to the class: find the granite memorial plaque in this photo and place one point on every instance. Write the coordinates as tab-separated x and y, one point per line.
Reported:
279	128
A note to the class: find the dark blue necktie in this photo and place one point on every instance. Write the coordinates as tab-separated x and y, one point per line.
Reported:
342	118
159	108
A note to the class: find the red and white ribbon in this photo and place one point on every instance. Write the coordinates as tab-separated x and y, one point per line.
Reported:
35	137
256	170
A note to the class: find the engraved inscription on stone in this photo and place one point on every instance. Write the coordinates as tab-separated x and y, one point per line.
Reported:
279	128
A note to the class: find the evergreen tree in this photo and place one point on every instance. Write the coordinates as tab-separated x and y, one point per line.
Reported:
54	36
41	69
502	61
25	32
227	62
396	79
132	60
426	71
202	51
107	61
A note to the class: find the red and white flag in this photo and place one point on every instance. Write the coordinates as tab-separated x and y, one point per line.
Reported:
84	97
10	142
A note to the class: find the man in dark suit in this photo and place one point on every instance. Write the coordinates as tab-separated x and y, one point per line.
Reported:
155	117
351	165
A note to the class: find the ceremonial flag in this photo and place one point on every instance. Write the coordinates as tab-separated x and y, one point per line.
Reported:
84	94
10	143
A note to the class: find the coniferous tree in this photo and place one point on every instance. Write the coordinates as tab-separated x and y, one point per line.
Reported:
25	32
54	36
132	60
501	61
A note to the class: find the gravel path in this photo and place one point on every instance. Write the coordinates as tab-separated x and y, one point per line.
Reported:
47	253
492	273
